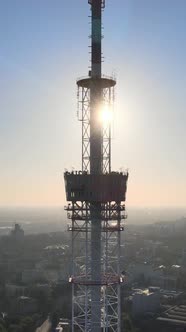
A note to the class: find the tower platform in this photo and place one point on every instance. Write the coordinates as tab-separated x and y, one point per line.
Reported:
81	186
104	82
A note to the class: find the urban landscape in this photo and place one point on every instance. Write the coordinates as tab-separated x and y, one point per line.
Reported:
34	281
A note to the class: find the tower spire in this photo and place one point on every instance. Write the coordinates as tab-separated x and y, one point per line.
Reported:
96	36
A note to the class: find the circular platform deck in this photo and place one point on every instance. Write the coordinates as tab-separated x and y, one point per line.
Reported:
105	82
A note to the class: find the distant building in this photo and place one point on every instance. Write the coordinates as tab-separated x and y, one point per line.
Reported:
63	325
26	305
13	290
147	274
152	247
17	233
145	301
44	288
23	305
173	319
42	275
144	272
183	258
33	275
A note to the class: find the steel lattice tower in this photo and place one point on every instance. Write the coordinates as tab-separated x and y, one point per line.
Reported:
96	195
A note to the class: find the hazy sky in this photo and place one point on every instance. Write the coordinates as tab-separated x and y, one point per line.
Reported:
44	48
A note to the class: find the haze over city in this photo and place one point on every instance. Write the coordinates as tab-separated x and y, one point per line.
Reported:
44	50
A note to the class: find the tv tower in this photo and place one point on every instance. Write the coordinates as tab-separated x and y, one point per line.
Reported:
96	195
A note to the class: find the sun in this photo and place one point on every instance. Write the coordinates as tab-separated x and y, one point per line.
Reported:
106	114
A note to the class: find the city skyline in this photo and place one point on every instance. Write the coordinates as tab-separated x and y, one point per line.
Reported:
44	50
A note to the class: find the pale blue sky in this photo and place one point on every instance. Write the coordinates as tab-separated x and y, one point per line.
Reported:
44	48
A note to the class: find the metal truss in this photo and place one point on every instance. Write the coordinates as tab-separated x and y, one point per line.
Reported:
108	102
107	245
111	278
84	116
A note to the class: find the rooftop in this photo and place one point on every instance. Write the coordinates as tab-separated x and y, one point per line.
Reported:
175	316
145	292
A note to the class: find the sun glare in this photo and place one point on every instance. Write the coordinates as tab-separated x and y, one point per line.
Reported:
106	114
